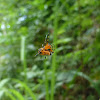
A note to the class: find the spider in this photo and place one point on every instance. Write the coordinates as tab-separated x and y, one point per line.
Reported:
47	49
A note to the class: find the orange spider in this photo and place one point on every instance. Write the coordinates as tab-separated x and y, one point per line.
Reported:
41	51
47	49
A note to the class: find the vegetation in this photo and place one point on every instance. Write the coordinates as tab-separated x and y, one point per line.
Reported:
72	72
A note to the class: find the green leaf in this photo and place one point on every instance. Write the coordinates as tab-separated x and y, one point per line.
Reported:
3	82
10	95
66	40
27	89
17	94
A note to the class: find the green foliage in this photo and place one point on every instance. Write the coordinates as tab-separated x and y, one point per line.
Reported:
17	94
72	72
27	89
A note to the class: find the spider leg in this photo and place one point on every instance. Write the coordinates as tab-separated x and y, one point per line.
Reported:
36	55
53	46
47	38
42	45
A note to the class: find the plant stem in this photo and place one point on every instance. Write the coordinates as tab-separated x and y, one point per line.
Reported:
23	56
23	59
54	55
46	81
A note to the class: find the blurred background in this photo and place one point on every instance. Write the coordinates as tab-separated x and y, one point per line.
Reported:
72	72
